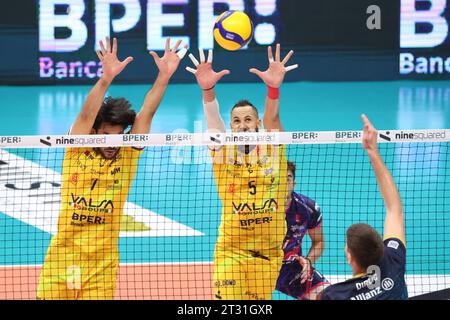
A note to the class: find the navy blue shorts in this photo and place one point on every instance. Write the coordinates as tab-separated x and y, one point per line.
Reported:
289	280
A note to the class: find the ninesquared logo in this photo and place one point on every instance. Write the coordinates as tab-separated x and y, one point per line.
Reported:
46	142
385	136
421	136
215	139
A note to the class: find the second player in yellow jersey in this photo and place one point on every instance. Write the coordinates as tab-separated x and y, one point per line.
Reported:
252	184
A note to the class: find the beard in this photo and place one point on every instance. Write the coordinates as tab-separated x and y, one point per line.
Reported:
109	153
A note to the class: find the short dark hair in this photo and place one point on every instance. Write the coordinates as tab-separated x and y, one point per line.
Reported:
116	111
291	167
365	245
245	103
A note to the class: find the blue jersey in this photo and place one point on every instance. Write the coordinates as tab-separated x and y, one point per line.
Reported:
390	286
302	215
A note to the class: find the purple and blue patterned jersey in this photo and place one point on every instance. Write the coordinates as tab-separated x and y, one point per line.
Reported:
302	215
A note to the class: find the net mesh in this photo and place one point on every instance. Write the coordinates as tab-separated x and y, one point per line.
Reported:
172	214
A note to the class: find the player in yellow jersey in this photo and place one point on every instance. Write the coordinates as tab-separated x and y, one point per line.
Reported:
252	184
83	259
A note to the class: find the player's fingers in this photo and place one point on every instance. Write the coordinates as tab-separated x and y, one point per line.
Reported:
127	61
191	70
288	56
114	48
201	55
182	52
154	55
99	55
194	60
367	122
102	47
167	49
176	46
365	119
270	54
222	74
304	277
256	71
278	53
290	68
108	44
210	56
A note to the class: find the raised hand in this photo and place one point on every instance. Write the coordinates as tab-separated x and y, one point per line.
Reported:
206	77
169	62
274	75
111	65
370	136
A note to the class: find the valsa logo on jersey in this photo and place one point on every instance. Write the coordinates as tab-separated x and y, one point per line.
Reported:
268	206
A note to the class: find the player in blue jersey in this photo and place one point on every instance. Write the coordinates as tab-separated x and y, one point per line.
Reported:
378	266
298	278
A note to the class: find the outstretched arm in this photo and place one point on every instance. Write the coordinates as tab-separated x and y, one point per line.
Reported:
167	65
314	254
111	68
273	77
207	79
394	224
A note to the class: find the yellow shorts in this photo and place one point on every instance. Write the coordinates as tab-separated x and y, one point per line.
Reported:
245	275
70	286
64	278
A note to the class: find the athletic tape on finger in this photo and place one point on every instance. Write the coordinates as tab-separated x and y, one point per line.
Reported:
182	53
202	55
189	69
210	56
295	66
194	60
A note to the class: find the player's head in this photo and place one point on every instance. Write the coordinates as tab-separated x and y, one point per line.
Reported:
364	247
291	177
114	117
244	117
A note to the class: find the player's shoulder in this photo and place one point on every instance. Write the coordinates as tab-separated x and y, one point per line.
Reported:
339	291
394	243
394	258
305	201
394	251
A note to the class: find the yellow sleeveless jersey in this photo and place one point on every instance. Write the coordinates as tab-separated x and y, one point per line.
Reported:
93	194
253	190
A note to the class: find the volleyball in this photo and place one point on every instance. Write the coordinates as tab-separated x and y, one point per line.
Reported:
233	30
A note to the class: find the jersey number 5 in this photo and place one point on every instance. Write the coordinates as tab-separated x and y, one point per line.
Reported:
252	186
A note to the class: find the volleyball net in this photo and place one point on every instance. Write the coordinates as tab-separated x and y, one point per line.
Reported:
144	222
